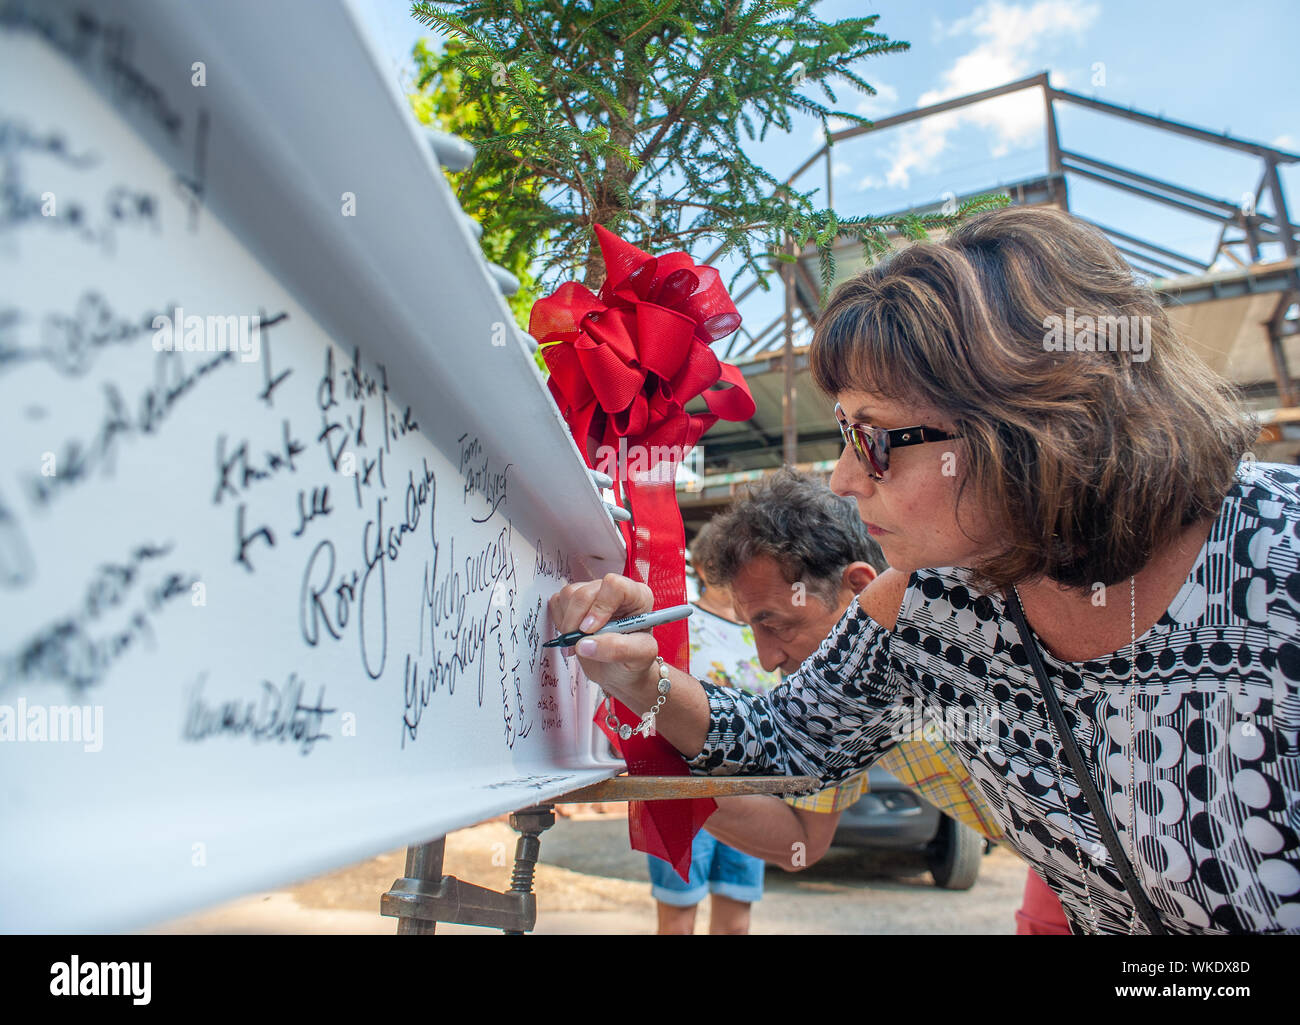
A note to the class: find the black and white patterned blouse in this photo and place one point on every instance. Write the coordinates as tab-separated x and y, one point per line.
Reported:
1217	763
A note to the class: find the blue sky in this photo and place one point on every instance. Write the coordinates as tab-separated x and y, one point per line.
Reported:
1217	66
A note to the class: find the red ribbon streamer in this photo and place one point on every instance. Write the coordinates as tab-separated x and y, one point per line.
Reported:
624	364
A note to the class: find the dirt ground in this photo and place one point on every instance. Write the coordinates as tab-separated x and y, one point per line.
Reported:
590	881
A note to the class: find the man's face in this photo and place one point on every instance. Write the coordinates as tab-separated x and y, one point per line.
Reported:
789	622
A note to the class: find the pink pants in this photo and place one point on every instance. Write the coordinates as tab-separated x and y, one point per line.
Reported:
1041	914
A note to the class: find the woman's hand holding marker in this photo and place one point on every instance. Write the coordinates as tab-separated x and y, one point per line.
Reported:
619	662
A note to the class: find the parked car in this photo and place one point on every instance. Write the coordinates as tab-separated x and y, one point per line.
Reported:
893	815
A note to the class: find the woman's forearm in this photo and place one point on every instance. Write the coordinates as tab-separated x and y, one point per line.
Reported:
830	718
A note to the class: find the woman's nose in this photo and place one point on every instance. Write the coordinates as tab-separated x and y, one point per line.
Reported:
850	477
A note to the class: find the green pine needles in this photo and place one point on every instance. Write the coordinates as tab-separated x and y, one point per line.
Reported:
629	113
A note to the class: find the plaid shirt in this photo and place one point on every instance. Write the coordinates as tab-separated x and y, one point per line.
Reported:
932	768
936	771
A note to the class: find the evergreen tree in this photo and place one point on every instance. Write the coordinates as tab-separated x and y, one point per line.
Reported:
439	100
628	114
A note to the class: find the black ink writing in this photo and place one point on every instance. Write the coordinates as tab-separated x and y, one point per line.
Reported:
280	714
173	380
237	471
318	506
78	649
244	537
480	478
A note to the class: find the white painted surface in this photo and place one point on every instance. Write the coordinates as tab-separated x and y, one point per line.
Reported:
259	705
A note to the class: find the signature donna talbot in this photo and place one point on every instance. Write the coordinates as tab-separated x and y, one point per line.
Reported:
280	714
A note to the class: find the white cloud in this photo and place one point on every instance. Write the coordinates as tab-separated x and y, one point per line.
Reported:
884	102
1286	141
1010	43
919	146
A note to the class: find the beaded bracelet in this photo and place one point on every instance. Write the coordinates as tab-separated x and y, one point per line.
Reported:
647	725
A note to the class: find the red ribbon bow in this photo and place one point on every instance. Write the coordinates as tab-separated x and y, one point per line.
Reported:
624	364
635	354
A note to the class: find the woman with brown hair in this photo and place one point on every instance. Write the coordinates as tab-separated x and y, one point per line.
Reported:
1081	544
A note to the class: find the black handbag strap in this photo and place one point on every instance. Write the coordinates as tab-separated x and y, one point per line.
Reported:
1108	835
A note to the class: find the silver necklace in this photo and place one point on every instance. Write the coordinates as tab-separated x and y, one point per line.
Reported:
1132	740
1132	763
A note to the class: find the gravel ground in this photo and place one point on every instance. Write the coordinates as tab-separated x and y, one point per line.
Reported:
590	881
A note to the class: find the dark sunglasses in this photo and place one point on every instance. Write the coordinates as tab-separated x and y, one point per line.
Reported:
873	444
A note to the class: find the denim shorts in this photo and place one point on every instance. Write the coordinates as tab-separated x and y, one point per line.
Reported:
715	868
